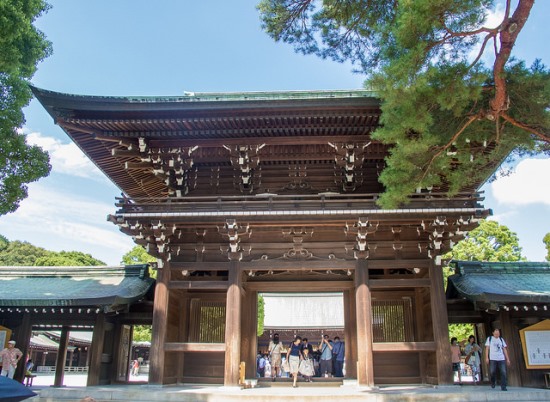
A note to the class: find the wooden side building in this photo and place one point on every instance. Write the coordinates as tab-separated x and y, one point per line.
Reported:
511	296
106	300
241	193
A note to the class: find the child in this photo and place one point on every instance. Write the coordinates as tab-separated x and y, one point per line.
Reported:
455	358
306	366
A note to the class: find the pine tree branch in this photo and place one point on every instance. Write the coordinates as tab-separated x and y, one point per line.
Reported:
426	167
525	127
509	31
482	50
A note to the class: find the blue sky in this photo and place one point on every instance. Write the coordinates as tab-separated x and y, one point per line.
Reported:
138	47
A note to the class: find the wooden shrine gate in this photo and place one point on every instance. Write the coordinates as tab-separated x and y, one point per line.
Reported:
205	315
237	194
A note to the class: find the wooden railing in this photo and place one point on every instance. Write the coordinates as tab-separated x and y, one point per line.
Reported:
51	369
275	202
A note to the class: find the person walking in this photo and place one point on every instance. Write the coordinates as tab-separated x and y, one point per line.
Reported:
306	365
455	358
473	357
10	357
294	356
275	348
496	356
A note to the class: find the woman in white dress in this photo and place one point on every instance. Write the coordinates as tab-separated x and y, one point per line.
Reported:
472	351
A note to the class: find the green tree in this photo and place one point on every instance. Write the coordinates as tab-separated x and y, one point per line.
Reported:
138	255
22	253
490	241
67	258
22	47
261	314
461	331
546	241
449	118
142	333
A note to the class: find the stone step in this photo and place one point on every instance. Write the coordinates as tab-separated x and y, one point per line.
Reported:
198	392
287	382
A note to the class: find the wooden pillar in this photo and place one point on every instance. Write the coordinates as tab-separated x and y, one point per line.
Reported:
233	327
350	334
23	341
481	336
160	324
420	331
249	330
61	357
183	336
95	350
365	368
440	322
71	354
511	335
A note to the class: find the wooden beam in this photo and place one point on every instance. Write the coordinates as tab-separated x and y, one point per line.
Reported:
268	265
399	264
199	285
288	140
194	347
299	286
378	284
403	346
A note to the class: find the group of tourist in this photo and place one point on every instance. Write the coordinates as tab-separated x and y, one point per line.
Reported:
495	355
300	358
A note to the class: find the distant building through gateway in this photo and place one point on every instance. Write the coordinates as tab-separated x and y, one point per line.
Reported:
308	315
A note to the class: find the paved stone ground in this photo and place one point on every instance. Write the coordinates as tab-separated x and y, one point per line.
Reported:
75	389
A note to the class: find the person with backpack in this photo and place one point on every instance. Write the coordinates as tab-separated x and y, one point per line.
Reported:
275	349
496	356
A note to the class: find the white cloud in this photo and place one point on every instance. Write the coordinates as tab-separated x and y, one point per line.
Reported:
529	184
493	19
65	158
59	220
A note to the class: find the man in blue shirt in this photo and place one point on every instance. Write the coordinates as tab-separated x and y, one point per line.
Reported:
325	363
338	354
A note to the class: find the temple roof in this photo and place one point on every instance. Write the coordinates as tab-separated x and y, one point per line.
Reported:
141	142
101	287
500	283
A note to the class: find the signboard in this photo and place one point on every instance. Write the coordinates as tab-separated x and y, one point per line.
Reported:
5	336
536	345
